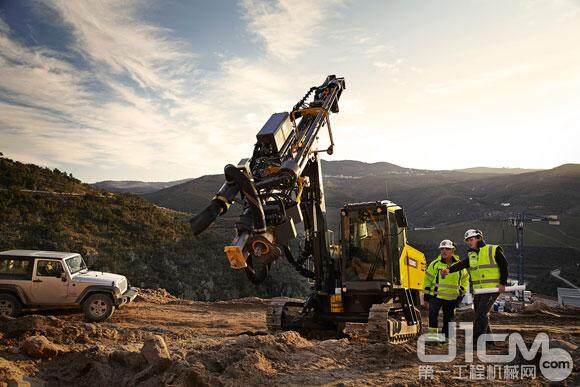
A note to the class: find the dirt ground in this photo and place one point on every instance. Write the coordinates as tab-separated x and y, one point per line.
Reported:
226	343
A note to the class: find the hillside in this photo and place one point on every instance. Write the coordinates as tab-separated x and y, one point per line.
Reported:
191	196
429	197
497	171
49	209
136	187
554	191
449	201
17	175
122	233
345	181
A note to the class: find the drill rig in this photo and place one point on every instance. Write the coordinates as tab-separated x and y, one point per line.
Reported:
372	276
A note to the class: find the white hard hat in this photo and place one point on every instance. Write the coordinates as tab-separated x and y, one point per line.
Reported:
446	244
473	232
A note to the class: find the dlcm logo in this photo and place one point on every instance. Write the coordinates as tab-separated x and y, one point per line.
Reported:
556	364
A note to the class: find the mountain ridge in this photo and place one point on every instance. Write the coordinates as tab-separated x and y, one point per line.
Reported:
415	189
136	186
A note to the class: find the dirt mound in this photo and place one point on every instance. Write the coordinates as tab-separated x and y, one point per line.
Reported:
251	358
155	296
32	324
9	372
64	332
166	341
258	359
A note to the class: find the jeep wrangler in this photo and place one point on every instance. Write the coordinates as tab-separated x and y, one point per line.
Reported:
53	280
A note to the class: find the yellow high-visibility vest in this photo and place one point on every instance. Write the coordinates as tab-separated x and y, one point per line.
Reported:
483	268
448	288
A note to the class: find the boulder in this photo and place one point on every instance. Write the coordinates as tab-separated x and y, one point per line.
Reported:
39	347
155	351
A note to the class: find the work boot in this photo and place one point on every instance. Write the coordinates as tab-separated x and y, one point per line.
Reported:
435	336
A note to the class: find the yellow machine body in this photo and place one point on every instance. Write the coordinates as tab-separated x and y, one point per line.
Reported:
412	265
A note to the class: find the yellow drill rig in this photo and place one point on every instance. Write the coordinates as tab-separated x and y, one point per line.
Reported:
372	276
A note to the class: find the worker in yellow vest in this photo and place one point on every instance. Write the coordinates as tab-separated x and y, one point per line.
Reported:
488	268
443	293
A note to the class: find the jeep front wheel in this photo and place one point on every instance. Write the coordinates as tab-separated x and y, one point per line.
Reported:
10	306
98	307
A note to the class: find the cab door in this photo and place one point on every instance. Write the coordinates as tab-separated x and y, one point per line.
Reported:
48	287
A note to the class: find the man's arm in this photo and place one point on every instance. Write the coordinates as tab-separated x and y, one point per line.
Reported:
502	263
459	266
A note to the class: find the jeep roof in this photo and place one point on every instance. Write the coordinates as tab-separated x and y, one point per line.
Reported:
39	254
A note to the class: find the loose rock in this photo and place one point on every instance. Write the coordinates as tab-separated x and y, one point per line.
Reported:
155	351
39	347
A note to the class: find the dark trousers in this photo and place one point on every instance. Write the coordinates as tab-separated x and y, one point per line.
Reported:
482	304
448	306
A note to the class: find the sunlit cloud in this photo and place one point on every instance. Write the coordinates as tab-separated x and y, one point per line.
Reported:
288	27
129	97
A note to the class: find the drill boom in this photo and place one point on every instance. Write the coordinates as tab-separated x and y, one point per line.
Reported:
271	185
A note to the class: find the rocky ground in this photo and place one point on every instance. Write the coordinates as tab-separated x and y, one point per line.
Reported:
162	340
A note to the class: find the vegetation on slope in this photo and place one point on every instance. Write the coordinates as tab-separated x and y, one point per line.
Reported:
125	234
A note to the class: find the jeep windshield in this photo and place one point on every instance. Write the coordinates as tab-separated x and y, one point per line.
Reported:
76	264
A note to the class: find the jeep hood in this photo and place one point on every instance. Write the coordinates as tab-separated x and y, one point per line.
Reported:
101	278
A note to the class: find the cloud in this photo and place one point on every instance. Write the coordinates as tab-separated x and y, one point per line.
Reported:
110	33
128	93
117	108
127	98
137	99
287	27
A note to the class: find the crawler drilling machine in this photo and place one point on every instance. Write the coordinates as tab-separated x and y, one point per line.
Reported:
371	276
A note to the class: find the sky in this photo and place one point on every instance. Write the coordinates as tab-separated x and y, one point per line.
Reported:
159	91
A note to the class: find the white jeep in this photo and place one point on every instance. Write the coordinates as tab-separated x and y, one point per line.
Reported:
51	279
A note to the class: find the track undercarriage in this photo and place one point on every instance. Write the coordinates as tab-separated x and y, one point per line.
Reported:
386	322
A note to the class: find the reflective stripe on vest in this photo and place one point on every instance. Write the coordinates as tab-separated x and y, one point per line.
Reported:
483	268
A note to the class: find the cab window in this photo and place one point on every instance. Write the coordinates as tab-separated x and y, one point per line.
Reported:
367	247
14	268
46	268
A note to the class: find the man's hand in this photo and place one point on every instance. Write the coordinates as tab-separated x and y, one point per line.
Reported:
501	288
444	272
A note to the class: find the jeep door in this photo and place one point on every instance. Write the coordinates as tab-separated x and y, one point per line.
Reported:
48	288
16	272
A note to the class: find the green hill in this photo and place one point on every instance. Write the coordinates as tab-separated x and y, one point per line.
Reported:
345	181
429	197
449	201
48	209
497	171
136	187
191	196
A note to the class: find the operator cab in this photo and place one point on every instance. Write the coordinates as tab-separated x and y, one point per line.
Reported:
373	236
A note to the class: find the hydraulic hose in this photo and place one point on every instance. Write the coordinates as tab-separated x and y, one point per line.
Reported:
245	185
205	218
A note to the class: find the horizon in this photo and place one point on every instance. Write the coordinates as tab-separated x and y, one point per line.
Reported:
162	92
219	173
